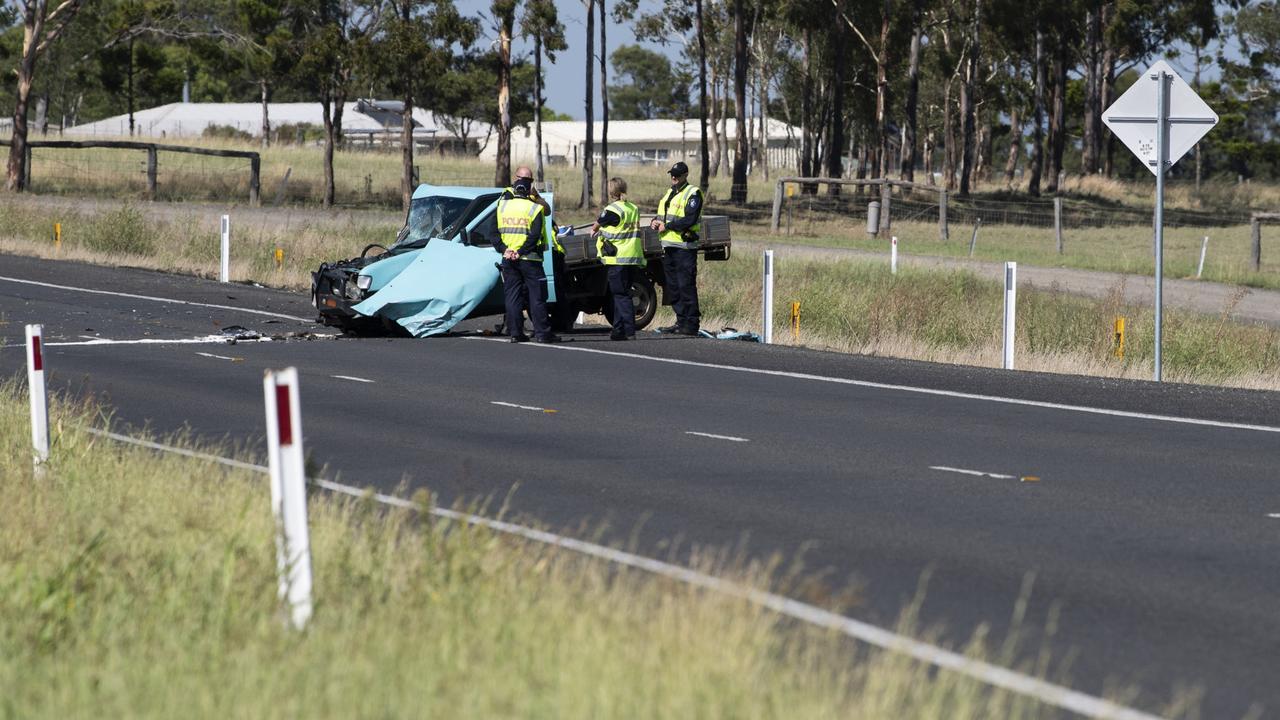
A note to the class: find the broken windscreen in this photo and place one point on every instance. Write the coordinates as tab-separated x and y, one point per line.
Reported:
438	216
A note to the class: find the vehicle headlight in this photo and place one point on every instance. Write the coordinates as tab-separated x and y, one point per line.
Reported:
363	281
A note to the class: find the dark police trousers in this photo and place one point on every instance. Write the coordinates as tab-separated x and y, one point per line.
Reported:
624	310
681	268
525	279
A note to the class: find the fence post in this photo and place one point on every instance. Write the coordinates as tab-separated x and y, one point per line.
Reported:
973	241
153	165
39	398
1204	247
224	273
284	186
1010	310
255	173
893	255
1256	232
1057	221
288	491
767	309
777	206
886	199
942	215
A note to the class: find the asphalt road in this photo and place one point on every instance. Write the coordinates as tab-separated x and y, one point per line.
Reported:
1151	542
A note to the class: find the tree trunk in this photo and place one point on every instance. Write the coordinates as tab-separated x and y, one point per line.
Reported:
764	123
948	137
967	102
537	102
502	168
713	119
806	108
326	113
265	89
1036	162
1015	148
42	114
1195	83
928	157
1090	146
406	153
1108	97
738	190
129	91
907	169
588	162
1058	122
882	94
604	107
724	127
33	26
704	178
835	133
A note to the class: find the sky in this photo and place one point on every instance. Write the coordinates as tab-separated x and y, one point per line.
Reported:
565	78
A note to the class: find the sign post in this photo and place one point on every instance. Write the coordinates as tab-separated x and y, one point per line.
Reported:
224	267
1010	312
766	311
1159	119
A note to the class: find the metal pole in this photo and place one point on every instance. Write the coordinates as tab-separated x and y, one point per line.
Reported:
1162	152
1010	310
1204	246
287	467
224	273
766	320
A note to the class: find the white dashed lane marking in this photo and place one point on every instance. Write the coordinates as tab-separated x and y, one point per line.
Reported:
352	378
531	408
978	473
713	436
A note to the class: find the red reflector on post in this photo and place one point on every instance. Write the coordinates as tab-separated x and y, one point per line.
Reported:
37	358
284	418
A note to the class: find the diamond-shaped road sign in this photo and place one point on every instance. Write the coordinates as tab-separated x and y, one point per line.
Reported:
1133	117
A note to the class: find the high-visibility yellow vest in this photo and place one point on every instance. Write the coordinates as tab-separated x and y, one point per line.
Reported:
555	241
672	208
625	236
515	219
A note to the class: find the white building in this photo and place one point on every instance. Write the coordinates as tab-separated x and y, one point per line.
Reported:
363	121
639	141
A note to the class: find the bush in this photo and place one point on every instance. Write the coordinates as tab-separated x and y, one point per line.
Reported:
225	132
123	231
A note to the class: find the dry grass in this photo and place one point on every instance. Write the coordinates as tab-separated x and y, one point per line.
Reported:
134	584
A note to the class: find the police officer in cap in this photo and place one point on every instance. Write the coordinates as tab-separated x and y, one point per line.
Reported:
562	309
521	242
678	225
621	250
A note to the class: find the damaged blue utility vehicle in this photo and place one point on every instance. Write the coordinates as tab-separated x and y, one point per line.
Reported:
442	268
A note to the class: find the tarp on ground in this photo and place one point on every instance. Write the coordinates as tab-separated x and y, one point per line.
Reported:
437	290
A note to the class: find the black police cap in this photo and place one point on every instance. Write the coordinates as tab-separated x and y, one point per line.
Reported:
678	170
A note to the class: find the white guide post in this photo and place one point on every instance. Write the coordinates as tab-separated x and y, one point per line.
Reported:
1010	311
39	398
766	319
1204	247
893	255
288	491
225	272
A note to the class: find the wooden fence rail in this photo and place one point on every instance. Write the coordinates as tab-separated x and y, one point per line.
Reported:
153	151
886	197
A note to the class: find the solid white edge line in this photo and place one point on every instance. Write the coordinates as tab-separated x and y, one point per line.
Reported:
157	299
980	473
1274	515
994	675
920	390
351	378
717	437
206	340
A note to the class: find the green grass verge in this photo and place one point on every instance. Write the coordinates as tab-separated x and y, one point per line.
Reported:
139	585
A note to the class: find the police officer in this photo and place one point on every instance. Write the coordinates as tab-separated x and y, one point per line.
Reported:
520	240
621	250
678	228
562	310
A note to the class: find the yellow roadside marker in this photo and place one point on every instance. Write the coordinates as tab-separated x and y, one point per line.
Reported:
279	258
549	411
1030	478
1119	337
